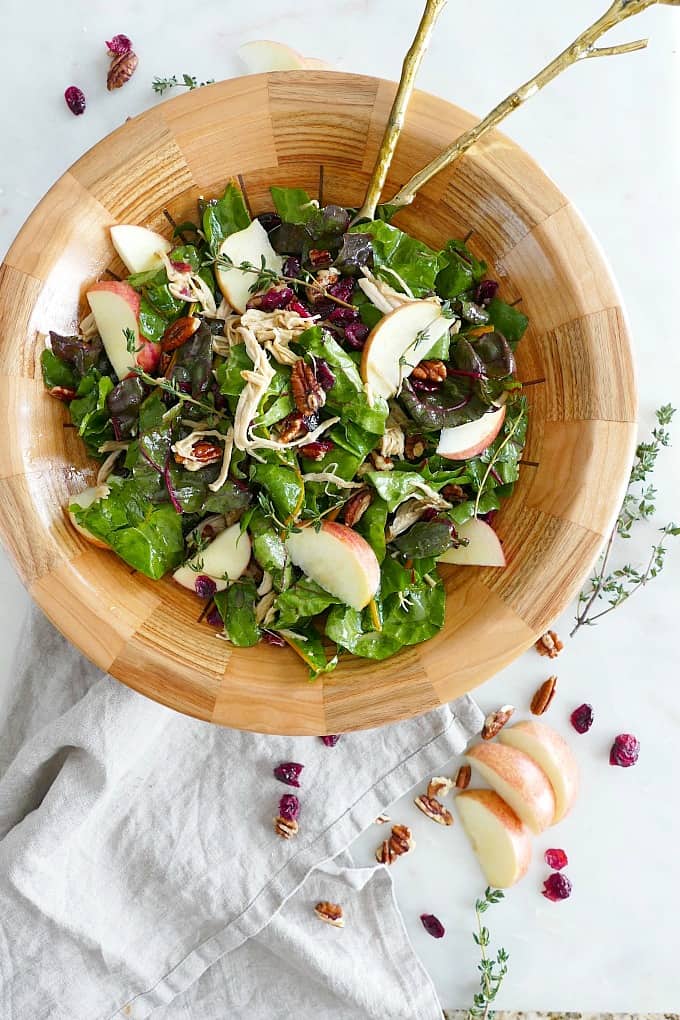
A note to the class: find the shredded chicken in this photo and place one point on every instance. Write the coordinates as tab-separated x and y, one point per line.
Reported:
329	476
263	607
408	513
383	296
392	443
190	287
257	384
184	448
266	584
226	462
88	327
107	466
274	330
113	444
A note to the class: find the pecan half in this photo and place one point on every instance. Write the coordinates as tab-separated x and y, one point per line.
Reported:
292	427
356	506
179	331
430	371
549	644
206	452
495	721
286	828
308	393
330	913
400	842
414	447
121	70
439	786
540	703
320	257
379	462
62	392
382	819
463	777
435	810
454	493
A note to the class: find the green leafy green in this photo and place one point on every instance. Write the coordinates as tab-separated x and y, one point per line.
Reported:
283	484
293	205
396	486
56	372
151	324
225	216
416	264
228	497
508	320
303	599
371	525
426	538
309	646
89	411
236	606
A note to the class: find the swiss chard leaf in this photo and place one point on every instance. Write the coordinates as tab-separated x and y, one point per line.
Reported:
508	320
309	646
396	486
426	538
268	547
294	205
372	524
283	485
225	216
303	599
229	497
415	263
56	372
151	324
236	606
89	411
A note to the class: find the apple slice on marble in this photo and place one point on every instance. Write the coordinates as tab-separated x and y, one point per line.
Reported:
339	560
84	500
484	547
498	837
394	347
264	55
553	754
115	306
470	439
139	247
248	245
518	780
223	560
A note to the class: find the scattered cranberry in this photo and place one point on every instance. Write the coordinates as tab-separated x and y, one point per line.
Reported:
331	739
433	926
582	718
205	586
323	373
75	100
273	639
278	297
269	220
292	267
288	772
486	290
318	449
289	807
557	887
214	618
343	314
119	45
342	289
182	267
355	335
297	306
625	750
429	514
556	859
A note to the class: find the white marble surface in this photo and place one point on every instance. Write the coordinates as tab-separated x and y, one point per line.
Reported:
607	132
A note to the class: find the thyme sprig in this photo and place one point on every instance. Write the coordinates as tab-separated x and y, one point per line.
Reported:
492	970
639	505
519	420
163	85
168	386
266	277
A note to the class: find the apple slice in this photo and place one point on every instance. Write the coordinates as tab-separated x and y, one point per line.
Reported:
228	554
338	559
249	245
484	547
469	440
85	499
393	348
498	837
139	247
115	306
553	754
518	780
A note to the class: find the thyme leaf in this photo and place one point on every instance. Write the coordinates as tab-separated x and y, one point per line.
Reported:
163	85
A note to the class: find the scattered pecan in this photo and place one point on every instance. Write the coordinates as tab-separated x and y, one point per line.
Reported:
320	257
331	913
414	447
324	279
179	331
439	786
206	452
430	371
463	777
453	493
435	810
382	819
122	68
286	828
379	462
495	721
356	506
292	427
62	393
308	393
540	703
400	842
549	644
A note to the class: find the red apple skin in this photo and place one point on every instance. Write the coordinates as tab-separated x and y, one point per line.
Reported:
149	356
520	773
517	832
124	290
474	451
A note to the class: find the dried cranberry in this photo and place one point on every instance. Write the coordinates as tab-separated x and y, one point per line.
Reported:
343	314
485	291
355	335
489	517
214	618
297	306
323	373
433	926
289	807
271	638
182	267
425	385
292	267
625	750
582	718
269	220
278	297
429	514
556	859
342	289
331	740
75	100
288	772
557	887
205	586
318	449
119	45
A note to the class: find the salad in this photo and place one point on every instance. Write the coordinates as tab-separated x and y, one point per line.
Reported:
297	419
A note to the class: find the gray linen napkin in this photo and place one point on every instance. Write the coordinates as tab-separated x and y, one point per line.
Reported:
139	870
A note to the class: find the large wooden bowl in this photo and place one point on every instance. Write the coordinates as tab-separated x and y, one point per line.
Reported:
294	128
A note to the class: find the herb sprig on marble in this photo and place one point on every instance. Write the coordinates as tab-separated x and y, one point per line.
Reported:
492	969
612	588
163	85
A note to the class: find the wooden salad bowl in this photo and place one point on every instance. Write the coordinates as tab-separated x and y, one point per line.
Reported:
293	128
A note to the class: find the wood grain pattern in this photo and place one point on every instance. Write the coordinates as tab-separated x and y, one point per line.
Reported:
279	129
